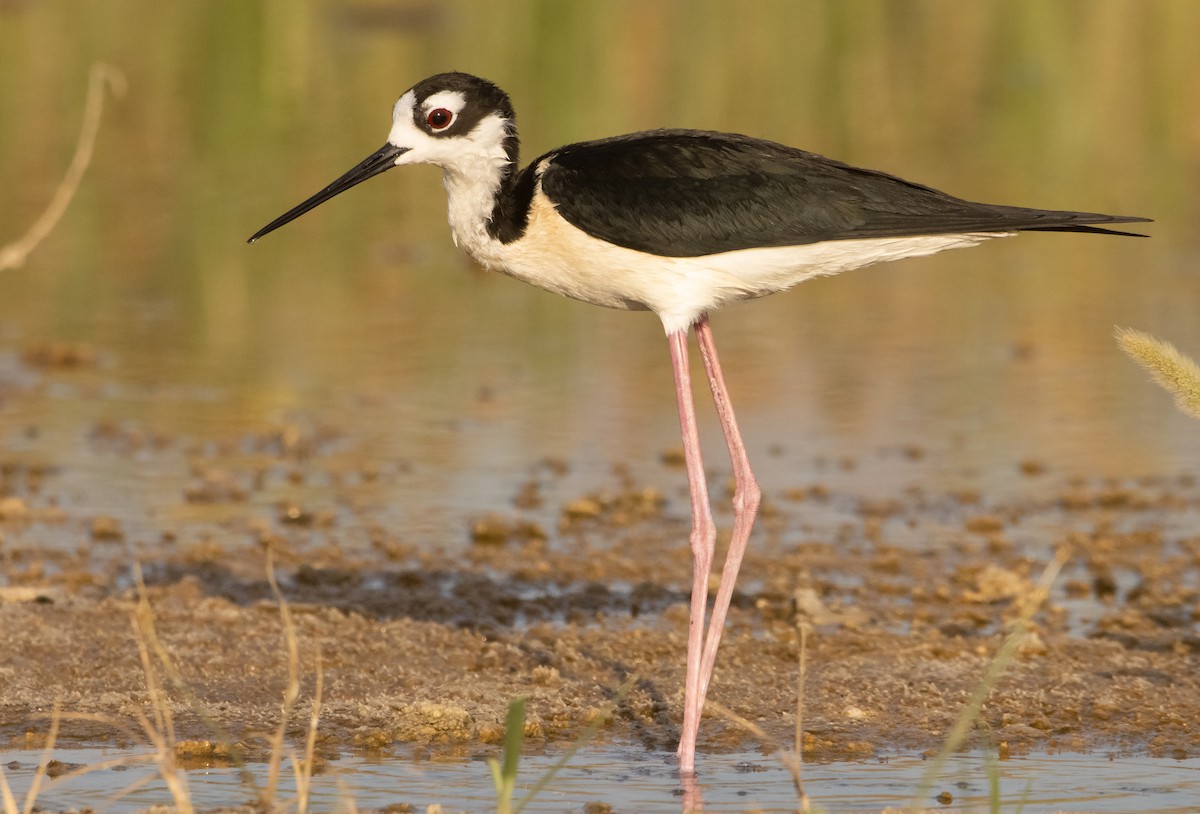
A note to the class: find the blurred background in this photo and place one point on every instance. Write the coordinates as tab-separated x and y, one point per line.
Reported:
361	328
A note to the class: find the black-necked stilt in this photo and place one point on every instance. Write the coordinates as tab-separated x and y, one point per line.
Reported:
676	222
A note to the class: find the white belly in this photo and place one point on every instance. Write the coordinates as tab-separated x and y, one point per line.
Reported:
556	256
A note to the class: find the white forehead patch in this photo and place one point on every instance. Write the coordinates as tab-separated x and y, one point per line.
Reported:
403	107
405	131
452	100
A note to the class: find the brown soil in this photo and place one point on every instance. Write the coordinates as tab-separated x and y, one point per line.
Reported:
907	603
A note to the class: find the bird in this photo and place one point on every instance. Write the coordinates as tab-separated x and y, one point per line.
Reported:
676	222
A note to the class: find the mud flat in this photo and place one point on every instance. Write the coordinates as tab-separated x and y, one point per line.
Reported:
564	599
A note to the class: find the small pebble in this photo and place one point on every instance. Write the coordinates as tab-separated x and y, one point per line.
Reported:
107	528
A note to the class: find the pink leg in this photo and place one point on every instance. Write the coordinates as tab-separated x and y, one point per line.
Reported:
703	543
746	499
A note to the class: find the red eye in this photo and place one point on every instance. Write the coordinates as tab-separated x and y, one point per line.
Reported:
439	119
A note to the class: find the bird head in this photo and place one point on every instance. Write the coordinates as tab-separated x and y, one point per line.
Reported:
456	121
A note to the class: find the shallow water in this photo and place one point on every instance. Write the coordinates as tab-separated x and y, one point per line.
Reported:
362	332
630	779
363	320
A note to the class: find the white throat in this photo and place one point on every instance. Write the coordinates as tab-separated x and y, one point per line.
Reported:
471	189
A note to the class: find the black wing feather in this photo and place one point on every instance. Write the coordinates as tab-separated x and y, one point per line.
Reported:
685	193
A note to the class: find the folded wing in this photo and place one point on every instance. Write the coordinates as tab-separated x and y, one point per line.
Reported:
687	193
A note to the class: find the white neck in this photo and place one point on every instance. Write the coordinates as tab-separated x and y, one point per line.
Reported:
471	189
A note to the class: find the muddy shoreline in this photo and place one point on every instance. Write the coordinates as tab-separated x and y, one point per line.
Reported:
421	650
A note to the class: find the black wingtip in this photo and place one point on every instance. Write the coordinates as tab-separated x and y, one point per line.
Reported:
1091	230
1091	227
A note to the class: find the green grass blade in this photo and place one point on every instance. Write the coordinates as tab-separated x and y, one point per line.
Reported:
504	775
991	768
585	736
498	783
1008	650
514	735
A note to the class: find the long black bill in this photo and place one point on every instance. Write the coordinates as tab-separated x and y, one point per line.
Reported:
379	161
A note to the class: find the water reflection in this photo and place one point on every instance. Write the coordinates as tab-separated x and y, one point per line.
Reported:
629	780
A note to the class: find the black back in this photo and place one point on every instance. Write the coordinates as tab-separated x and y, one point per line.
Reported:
685	193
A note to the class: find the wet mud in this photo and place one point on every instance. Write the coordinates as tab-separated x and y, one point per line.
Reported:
566	598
